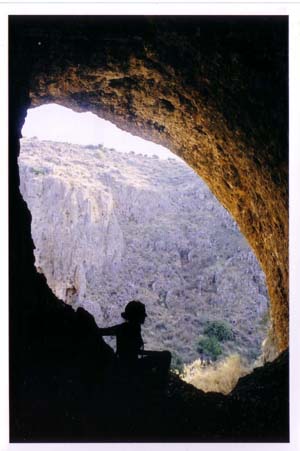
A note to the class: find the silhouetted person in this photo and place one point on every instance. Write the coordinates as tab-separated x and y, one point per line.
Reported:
130	345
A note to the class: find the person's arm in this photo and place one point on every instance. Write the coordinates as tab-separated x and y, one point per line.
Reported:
108	330
146	352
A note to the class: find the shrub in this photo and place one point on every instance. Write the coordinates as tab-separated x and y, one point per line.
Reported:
221	377
210	346
221	330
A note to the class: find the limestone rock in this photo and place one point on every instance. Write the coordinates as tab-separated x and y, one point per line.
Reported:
72	223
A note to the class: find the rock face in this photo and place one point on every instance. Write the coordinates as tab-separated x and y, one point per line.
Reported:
110	227
74	226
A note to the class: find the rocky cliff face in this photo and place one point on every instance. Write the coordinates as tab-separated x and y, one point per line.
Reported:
74	225
110	227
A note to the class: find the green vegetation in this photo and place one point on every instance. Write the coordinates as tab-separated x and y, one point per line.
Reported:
210	346
221	330
214	333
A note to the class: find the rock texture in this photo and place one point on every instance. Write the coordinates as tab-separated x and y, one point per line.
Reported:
110	227
75	229
230	74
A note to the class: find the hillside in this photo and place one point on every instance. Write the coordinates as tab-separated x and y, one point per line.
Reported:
110	227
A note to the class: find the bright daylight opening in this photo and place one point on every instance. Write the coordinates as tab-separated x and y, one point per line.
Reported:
116	218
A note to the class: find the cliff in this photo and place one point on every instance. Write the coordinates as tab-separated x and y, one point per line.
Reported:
109	227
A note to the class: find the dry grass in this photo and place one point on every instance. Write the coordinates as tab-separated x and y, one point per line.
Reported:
220	377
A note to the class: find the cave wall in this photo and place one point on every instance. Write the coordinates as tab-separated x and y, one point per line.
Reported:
212	90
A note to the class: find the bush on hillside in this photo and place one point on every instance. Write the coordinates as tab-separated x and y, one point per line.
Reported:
210	346
221	330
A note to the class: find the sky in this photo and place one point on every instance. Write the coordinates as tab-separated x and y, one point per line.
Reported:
57	123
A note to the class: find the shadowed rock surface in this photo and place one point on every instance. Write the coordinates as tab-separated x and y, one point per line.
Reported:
231	127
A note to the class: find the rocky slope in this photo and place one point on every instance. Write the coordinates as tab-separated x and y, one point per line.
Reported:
110	227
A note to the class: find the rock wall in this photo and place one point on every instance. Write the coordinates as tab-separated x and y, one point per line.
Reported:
74	226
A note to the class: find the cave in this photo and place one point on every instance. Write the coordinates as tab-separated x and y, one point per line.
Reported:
167	241
214	90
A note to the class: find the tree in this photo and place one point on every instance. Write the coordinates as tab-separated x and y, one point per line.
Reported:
221	330
210	346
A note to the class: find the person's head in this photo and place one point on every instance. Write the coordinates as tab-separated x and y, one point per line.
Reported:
135	312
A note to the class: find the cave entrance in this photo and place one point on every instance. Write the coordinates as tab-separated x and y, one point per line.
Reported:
118	218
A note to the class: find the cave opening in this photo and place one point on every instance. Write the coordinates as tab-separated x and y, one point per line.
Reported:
197	86
111	224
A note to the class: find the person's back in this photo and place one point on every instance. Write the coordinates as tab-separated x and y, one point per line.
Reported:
128	334
130	344
129	341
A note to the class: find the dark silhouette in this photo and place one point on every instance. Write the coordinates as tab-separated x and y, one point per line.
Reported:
130	352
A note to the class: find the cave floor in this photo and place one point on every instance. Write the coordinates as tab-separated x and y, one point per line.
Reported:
121	410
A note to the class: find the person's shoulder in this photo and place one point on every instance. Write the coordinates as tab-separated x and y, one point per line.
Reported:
121	326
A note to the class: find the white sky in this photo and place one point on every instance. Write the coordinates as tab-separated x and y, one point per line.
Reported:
57	123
